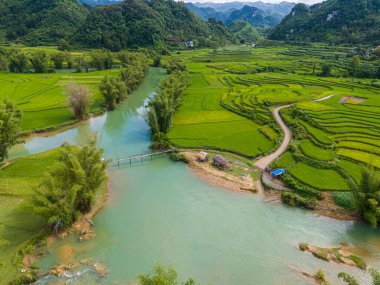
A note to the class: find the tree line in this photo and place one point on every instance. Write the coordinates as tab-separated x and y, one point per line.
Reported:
167	101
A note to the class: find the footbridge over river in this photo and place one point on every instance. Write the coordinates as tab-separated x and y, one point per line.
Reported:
140	157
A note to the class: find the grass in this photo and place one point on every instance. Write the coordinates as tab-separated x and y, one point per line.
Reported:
309	149
16	183
324	179
42	97
233	89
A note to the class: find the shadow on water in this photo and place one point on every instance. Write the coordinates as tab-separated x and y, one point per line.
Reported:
160	212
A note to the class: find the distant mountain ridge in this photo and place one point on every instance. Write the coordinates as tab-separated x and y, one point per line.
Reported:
126	24
258	14
333	21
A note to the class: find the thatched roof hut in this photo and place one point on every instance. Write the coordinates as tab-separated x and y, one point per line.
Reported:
221	162
202	156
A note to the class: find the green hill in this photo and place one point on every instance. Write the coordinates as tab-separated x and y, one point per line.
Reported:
333	21
142	23
244	32
40	22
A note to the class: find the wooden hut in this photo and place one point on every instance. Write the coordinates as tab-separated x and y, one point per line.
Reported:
202	156
221	162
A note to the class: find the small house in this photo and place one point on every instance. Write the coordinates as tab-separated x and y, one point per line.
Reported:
221	162
202	156
278	172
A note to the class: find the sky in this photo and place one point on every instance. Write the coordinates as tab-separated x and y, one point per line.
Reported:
266	1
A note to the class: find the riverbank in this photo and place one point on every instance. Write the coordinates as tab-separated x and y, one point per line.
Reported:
223	179
252	183
82	228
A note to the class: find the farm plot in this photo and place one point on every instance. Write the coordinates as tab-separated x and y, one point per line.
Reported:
42	97
343	132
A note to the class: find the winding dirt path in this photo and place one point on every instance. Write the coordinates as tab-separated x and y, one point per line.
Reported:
266	160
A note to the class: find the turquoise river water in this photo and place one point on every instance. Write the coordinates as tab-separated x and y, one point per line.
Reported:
159	211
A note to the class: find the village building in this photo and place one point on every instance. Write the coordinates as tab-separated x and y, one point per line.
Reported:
221	162
203	156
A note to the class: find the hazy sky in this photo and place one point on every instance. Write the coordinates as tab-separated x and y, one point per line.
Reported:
266	1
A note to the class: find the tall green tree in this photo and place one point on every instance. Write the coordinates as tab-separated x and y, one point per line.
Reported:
113	90
101	59
39	60
18	62
167	102
10	119
69	187
175	63
367	196
58	59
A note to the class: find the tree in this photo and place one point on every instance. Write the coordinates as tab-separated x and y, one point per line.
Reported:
79	98
367	196
58	58
354	64
101	59
18	62
113	90
174	64
69	187
167	102
326	69
39	61
10	119
162	276
63	45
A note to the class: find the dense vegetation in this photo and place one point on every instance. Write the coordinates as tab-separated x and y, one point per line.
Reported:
38	22
131	23
68	188
332	21
244	32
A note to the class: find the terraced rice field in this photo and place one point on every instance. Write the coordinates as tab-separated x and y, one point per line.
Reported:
229	103
42	97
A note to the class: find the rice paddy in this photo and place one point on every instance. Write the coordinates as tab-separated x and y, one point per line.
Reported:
42	97
233	90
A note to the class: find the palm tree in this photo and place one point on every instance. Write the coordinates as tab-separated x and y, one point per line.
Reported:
367	196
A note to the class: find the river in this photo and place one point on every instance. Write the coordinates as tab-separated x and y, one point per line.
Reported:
159	211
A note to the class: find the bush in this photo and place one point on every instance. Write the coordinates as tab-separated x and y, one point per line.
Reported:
293	199
321	254
358	261
176	156
345	200
303	246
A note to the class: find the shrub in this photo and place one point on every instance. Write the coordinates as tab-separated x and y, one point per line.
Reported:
345	200
303	246
79	97
358	261
321	254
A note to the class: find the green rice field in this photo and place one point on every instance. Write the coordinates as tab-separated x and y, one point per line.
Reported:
233	90
42	97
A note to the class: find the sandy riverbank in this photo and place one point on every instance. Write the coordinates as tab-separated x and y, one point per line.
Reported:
214	176
206	171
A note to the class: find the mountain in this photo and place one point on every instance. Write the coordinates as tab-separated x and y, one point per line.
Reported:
143	23
98	2
207	12
256	17
333	21
244	32
258	14
40	21
282	8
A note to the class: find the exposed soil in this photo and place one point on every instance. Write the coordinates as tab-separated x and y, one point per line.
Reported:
328	208
219	177
342	254
352	100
